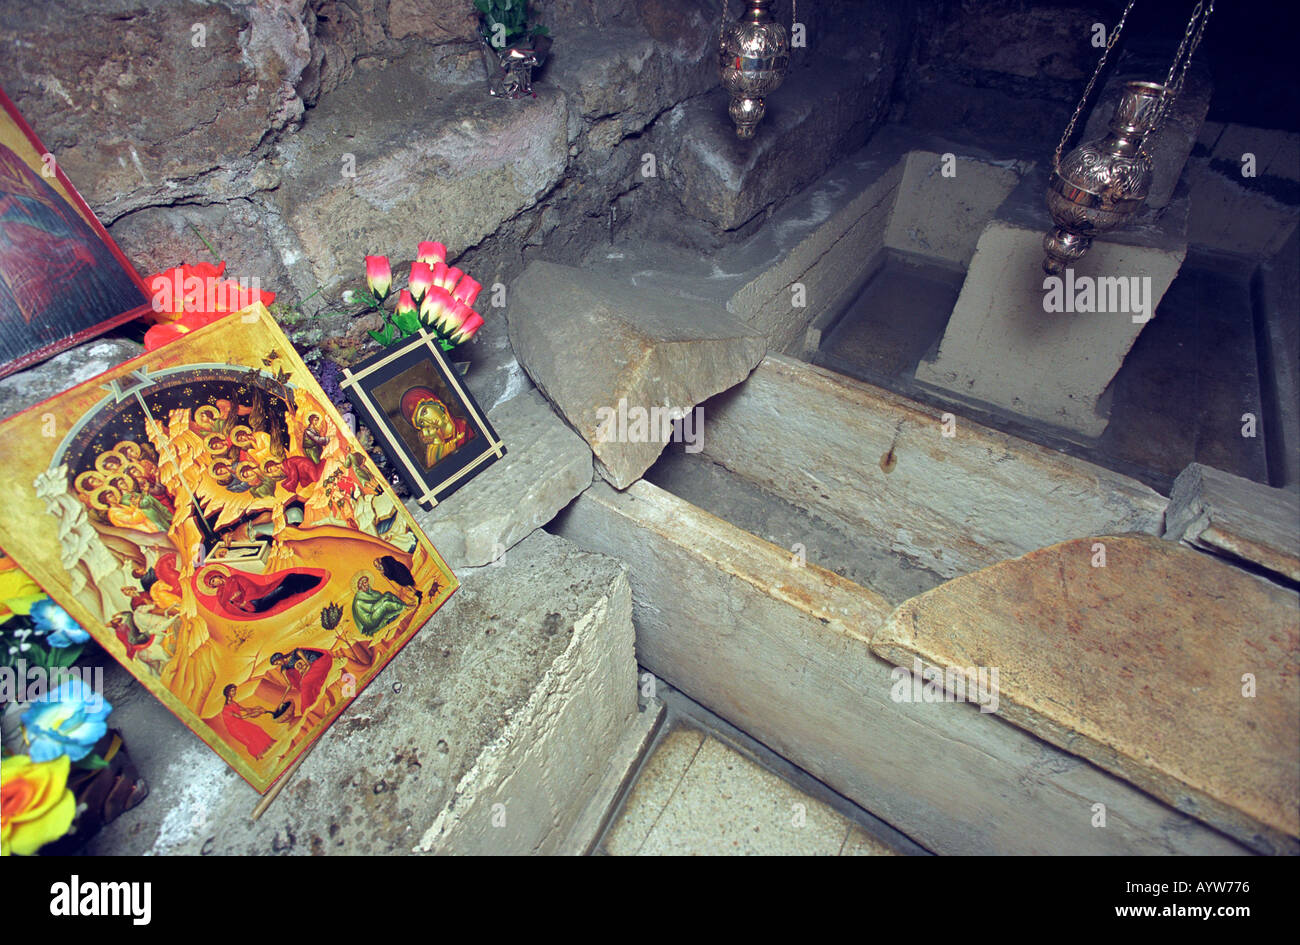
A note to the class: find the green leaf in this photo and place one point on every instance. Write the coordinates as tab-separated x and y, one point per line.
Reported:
408	322
66	656
92	763
385	337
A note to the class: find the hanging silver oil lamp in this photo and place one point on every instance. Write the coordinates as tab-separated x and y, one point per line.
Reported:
753	58
1099	186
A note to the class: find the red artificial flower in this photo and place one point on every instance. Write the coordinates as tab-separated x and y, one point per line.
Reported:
379	276
431	253
188	297
421	279
169	289
467	291
451	278
468	327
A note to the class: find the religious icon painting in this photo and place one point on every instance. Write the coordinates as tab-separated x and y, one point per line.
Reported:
204	512
428	425
62	278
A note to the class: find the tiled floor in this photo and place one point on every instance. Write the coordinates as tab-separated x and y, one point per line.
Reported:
698	796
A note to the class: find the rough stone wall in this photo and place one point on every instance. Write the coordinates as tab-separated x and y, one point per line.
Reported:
172	116
220	130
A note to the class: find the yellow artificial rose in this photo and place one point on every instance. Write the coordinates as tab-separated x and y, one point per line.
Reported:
36	806
17	591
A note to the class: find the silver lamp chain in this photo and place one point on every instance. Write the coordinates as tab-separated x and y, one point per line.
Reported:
1087	91
1173	81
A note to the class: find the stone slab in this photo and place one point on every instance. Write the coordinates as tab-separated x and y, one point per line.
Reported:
517	693
942	205
545	466
1221	512
783	653
879	466
593	344
1139	665
707	799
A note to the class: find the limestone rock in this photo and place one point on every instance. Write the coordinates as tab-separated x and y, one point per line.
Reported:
545	466
67	369
227	77
817	116
435	161
783	652
1244	519
881	468
1139	667
642	351
517	692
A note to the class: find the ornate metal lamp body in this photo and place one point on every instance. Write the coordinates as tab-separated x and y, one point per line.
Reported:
753	56
1099	186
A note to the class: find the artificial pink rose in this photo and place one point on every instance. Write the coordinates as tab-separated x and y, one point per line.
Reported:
431	253
467	291
379	276
468	327
421	279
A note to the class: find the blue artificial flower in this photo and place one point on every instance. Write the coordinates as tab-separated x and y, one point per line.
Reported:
63	631
67	721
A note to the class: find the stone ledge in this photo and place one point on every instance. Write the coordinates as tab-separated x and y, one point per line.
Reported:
439	161
818	114
518	692
1218	511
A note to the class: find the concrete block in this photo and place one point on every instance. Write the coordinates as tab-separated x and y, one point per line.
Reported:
1002	348
941	216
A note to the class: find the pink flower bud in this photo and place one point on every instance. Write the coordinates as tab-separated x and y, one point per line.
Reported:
421	279
430	253
468	327
440	275
457	314
379	276
405	303
468	290
452	277
433	312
